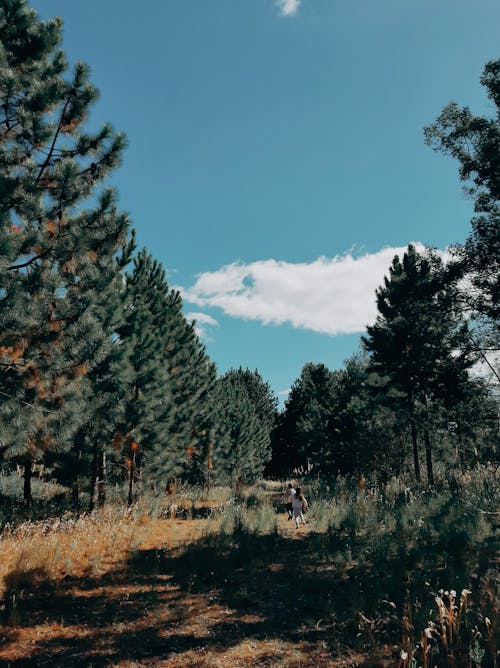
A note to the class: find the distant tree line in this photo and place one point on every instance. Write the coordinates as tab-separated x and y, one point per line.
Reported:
411	395
407	398
104	383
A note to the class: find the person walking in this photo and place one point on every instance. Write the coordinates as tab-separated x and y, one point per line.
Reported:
290	493
299	506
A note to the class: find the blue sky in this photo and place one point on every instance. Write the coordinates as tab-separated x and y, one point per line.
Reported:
276	157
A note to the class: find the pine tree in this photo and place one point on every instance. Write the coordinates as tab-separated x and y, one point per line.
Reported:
473	425
475	142
56	259
84	466
260	393
264	404
304	436
148	408
241	440
191	376
418	345
168	411
366	436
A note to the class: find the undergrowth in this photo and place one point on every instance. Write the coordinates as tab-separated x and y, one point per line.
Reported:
410	569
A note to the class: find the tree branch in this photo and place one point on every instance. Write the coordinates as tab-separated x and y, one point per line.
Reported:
13	267
51	150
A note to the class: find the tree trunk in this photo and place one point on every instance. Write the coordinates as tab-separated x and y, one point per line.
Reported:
76	489
209	467
416	463
28	472
415	449
428	449
428	458
461	448
131	481
93	481
101	484
75	494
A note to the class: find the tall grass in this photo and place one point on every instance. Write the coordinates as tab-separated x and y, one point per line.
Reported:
410	551
399	554
238	519
91	544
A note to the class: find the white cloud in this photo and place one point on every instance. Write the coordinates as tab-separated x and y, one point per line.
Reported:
288	7
329	295
203	321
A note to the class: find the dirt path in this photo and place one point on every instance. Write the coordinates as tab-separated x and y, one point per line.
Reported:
217	602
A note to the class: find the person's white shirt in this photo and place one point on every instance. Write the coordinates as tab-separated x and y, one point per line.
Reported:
290	495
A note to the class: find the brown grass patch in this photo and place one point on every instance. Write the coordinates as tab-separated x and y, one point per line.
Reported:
123	589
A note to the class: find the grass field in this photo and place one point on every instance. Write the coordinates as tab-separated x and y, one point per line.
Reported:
358	586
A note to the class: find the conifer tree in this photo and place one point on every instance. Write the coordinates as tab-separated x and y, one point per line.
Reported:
418	345
474	141
365	430
242	441
260	394
84	466
56	258
148	407
191	378
167	414
304	436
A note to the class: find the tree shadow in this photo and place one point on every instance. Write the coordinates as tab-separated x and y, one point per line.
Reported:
223	590
209	597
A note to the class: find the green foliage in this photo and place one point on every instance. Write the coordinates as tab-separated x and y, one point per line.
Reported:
102	378
191	379
57	259
474	142
169	379
418	329
238	520
419	347
397	550
303	435
242	429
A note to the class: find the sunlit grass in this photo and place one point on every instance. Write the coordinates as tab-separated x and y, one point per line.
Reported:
397	551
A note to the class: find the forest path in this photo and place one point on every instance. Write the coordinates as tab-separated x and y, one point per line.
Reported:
188	596
286	526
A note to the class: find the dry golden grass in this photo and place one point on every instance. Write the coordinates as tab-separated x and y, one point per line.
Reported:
76	555
90	545
73	598
232	587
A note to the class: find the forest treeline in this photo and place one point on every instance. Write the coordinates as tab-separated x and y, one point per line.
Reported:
104	383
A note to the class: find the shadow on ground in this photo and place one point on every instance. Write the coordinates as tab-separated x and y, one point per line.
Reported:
225	590
211	596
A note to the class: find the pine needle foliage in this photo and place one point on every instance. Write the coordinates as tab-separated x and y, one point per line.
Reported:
57	258
419	347
169	378
244	419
